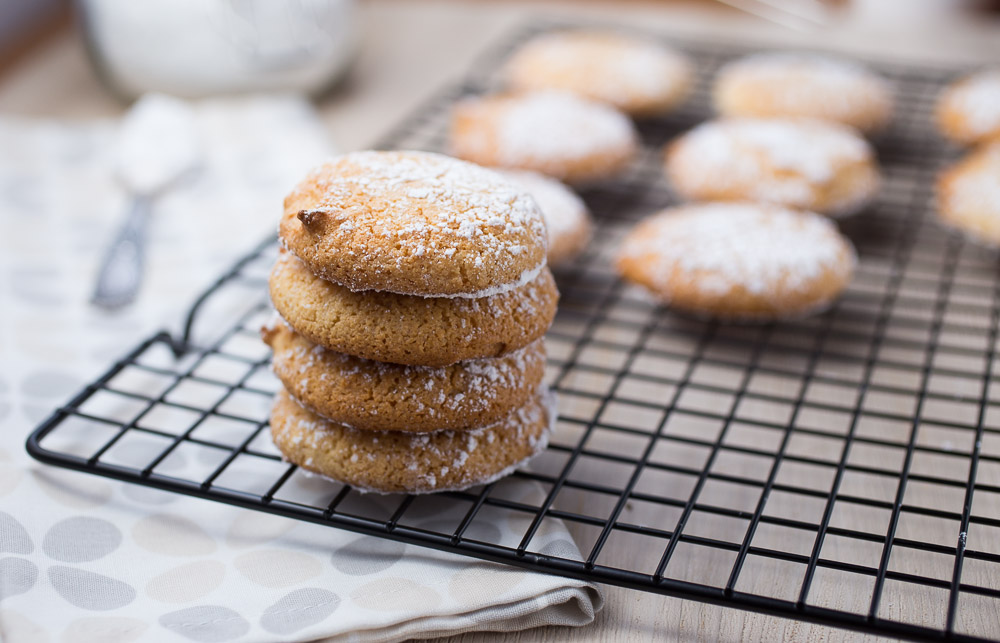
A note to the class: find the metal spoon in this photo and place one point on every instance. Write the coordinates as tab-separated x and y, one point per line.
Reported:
157	144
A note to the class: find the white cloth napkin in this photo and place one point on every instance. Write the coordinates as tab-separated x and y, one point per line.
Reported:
84	558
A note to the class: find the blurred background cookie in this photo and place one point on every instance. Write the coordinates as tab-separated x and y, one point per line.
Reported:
969	195
803	85
637	75
564	136
800	163
567	218
968	112
739	261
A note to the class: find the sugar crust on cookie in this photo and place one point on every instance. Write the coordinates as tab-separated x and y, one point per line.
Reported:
738	261
567	218
558	134
968	111
637	75
968	195
407	329
800	163
414	223
799	84
398	462
378	396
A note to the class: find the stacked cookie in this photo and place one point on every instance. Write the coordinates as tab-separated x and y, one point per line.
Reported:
413	293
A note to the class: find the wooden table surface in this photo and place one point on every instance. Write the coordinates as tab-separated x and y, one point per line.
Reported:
411	48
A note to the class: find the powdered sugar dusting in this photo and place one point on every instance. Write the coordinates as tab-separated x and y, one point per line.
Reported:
274	322
759	248
779	161
526	277
385	209
547	126
804	84
977	100
971	192
563	210
472	386
424	449
602	65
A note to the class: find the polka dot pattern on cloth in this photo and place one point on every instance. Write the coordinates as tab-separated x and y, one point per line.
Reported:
186	583
14	538
17	576
81	539
90	590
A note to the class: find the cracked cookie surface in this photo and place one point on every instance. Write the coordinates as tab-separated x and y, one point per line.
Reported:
414	223
405	329
399	462
376	396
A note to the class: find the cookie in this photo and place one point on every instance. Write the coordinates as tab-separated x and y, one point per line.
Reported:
803	164
735	261
414	223
404	329
390	397
969	195
968	111
795	84
637	75
399	462
566	216
564	136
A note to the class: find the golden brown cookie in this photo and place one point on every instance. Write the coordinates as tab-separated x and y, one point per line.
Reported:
378	396
796	84
968	112
566	216
414	223
637	75
735	261
969	195
564	136
400	462
403	329
801	163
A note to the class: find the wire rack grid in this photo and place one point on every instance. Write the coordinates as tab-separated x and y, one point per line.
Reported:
842	469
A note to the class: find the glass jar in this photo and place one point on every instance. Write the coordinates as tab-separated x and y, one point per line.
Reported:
196	48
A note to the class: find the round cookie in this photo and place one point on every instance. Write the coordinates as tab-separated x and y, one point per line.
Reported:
795	84
969	195
739	261
801	163
404	329
566	216
399	462
637	75
376	396
564	136
414	223
968	112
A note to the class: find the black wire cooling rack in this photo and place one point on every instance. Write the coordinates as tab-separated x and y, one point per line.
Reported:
842	469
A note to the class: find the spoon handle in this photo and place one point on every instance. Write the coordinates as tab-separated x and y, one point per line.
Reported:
121	271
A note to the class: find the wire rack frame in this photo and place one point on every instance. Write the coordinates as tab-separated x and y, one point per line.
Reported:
869	435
